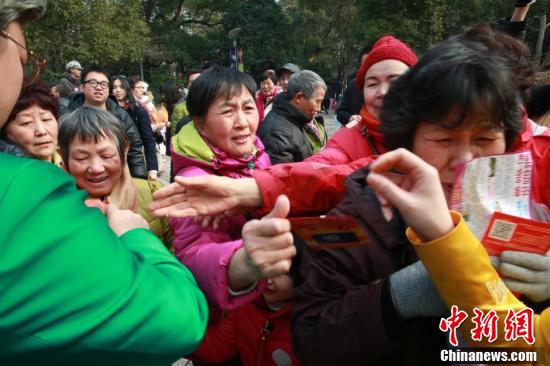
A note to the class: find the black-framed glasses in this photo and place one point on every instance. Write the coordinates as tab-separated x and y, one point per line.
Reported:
35	64
94	83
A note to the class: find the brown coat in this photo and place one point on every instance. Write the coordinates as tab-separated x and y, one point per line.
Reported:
344	314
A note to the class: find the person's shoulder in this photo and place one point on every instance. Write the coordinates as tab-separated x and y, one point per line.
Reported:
35	173
27	184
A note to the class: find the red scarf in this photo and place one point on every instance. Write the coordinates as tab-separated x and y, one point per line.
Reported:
261	102
371	126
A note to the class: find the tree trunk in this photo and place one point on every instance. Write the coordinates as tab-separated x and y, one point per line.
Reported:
540	39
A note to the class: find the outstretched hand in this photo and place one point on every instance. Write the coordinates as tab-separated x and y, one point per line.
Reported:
402	180
206	195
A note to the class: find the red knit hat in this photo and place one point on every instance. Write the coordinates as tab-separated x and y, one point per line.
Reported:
386	48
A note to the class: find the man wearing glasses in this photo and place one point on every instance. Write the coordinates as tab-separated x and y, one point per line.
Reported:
95	92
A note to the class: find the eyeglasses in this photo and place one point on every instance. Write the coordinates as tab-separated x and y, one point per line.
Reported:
33	67
94	83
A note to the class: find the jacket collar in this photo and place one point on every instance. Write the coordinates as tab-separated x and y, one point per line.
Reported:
76	100
283	107
191	148
361	202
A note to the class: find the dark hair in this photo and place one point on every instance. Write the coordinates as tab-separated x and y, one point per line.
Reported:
268	74
170	95
98	69
133	80
90	124
126	86
539	101
37	93
365	51
217	82
464	75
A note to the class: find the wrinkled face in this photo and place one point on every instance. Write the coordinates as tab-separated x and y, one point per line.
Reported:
266	87
446	148
310	106
118	91
75	73
230	124
138	90
11	73
279	289
283	79
96	96
97	167
35	130
377	83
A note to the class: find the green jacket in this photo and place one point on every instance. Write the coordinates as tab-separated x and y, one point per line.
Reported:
180	111
73	293
317	142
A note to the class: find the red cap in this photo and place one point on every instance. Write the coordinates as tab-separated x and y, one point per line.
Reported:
386	48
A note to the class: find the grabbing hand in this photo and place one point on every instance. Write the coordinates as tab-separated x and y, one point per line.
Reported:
526	273
267	247
402	180
206	195
122	221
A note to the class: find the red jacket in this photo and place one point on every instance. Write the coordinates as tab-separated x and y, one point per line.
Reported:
306	183
259	336
316	185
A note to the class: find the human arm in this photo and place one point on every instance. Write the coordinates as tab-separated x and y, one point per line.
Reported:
458	263
91	290
221	262
219	343
310	187
461	269
516	25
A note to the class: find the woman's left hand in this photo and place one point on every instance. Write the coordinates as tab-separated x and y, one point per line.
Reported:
402	180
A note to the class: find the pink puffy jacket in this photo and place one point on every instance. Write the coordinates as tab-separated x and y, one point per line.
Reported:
207	252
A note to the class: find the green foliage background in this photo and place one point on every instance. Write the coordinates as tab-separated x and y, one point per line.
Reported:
169	37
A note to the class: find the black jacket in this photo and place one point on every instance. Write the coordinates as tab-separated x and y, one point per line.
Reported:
143	124
136	161
343	311
351	103
69	82
283	133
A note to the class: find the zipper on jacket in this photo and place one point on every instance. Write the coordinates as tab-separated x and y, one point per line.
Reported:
267	328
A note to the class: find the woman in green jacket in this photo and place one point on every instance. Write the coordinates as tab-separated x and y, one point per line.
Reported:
75	288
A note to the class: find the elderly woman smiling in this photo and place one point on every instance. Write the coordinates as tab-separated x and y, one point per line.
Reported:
32	124
94	147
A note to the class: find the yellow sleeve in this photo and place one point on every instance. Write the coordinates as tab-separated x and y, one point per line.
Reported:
462	272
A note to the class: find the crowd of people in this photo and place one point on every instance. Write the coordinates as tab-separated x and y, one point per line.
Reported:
103	265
